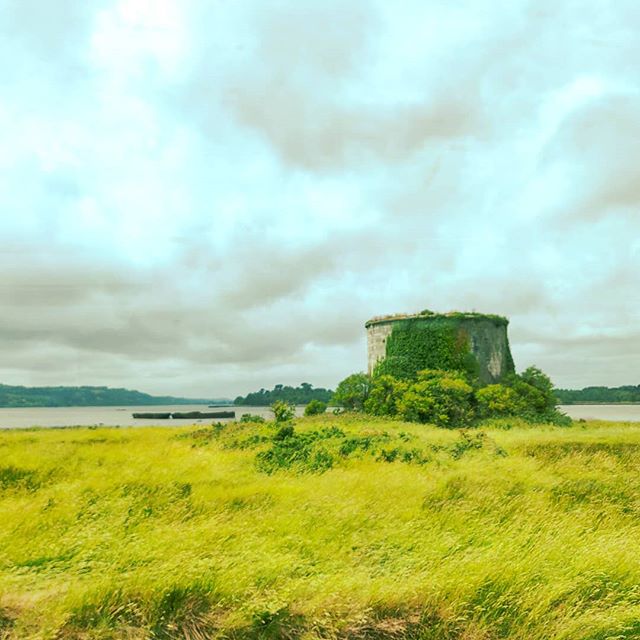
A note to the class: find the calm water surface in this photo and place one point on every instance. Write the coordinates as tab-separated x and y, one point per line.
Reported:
617	412
112	416
122	416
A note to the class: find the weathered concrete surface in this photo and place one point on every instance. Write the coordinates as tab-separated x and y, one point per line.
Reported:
377	335
490	345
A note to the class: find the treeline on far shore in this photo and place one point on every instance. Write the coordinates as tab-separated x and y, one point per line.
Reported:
303	394
601	395
17	396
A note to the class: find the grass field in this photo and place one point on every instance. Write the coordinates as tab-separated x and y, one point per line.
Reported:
349	527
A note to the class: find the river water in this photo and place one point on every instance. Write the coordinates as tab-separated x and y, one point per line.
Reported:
113	416
616	412
122	416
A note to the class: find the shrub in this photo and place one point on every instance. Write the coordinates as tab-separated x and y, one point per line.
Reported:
302	452
451	398
439	397
283	411
498	400
384	395
315	408
250	417
467	442
284	432
16	478
353	391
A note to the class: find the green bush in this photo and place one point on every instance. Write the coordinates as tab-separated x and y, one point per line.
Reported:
451	398
22	479
529	396
315	408
283	411
498	400
384	395
353	391
284	432
250	417
440	397
305	452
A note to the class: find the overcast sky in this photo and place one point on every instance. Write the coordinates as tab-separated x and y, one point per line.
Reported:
205	197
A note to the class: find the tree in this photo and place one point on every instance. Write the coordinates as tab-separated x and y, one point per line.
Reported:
353	391
540	381
293	395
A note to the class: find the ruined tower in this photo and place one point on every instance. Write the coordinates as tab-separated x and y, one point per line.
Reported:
404	344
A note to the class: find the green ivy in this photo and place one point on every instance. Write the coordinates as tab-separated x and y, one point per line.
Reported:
435	343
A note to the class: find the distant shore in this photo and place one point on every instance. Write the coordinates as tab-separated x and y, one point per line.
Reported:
584	402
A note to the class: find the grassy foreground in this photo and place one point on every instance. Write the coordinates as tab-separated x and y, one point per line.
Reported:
351	527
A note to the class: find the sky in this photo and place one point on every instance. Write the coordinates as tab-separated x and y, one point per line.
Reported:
207	197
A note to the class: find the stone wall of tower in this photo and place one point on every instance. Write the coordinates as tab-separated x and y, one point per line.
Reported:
377	335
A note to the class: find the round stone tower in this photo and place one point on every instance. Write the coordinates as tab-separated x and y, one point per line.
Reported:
475	342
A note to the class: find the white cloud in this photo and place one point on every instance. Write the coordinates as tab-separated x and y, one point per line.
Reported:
203	198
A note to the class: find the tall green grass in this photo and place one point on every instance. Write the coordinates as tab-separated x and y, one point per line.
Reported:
349	527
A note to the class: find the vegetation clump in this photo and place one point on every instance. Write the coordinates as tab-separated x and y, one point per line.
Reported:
451	398
18	479
315	408
439	397
251	418
283	411
282	447
301	451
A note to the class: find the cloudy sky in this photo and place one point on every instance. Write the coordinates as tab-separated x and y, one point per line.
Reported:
204	197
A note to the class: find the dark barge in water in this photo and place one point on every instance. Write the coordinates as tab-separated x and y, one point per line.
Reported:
185	415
